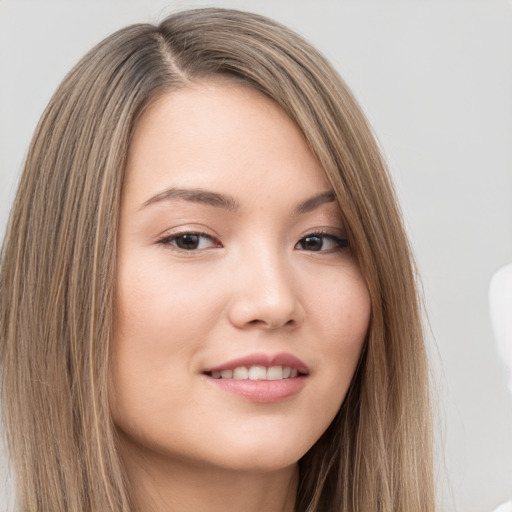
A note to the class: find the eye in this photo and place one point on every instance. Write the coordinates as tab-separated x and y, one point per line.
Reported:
317	242
190	241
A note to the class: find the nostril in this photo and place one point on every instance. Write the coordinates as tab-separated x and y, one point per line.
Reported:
270	324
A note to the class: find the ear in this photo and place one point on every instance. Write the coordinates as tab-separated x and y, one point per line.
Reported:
500	304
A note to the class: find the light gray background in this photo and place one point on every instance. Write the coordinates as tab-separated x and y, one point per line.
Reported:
435	78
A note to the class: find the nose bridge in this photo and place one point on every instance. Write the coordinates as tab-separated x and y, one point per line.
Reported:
265	292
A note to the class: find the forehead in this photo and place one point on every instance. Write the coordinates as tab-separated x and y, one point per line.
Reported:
221	136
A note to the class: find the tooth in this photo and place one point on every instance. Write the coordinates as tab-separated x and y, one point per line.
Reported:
275	373
257	373
241	373
226	374
286	372
216	375
294	373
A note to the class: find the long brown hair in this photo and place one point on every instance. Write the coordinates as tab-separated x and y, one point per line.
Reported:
58	268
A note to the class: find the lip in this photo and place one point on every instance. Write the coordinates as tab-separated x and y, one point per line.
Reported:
261	359
261	391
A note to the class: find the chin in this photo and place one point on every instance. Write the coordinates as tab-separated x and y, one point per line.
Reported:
264	452
258	463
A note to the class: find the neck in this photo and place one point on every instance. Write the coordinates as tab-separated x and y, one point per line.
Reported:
179	486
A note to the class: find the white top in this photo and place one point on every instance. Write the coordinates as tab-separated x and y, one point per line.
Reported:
506	507
500	305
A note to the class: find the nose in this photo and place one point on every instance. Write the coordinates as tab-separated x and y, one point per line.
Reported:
265	293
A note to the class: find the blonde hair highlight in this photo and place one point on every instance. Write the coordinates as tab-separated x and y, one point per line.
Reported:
58	268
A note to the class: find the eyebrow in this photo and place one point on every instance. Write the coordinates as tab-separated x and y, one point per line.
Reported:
196	195
314	202
226	202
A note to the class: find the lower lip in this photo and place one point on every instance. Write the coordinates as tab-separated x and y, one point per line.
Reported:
261	391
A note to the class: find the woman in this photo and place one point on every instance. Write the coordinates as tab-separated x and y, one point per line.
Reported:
207	296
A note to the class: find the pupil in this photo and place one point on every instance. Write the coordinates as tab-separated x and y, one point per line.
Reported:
188	242
312	243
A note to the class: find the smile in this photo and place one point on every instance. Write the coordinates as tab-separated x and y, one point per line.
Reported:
260	378
258	373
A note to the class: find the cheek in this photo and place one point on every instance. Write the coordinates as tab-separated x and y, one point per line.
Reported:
341	310
161	322
346	315
155	299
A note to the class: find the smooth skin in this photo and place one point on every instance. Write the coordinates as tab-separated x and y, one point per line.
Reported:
230	244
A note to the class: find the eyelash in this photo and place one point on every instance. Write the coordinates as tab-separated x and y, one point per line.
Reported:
170	240
339	242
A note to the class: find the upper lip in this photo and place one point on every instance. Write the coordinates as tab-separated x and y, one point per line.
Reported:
262	359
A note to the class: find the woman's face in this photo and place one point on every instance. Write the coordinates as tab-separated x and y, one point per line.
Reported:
240	312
